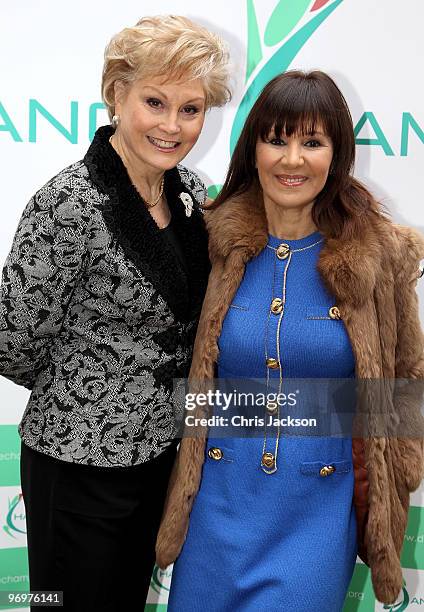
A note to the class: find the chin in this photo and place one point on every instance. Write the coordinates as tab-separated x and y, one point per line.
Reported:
166	164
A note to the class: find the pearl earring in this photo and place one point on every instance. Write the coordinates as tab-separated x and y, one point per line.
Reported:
115	120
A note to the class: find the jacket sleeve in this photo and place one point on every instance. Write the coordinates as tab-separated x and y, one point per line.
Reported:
409	362
38	279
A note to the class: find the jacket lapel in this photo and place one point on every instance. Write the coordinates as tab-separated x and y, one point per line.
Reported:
128	219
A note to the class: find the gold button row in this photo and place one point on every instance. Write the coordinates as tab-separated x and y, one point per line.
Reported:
277	308
268	461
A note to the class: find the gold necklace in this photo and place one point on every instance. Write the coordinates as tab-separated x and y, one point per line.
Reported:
147	202
151	204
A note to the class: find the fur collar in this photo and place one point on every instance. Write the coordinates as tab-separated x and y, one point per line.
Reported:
349	268
143	242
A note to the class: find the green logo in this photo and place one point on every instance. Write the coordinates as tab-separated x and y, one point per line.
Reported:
401	605
15	519
290	26
284	28
413	549
160	579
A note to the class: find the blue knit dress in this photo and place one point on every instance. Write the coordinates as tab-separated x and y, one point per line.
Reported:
287	540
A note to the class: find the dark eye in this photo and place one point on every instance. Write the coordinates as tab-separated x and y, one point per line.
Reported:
312	144
276	141
190	110
154	102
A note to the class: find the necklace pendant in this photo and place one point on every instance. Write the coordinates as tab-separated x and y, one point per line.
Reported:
188	203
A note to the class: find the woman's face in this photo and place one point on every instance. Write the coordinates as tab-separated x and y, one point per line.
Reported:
293	170
159	121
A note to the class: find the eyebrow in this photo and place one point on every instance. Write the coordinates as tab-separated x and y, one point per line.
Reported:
198	99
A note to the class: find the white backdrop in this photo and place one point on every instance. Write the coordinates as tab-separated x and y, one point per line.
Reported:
51	54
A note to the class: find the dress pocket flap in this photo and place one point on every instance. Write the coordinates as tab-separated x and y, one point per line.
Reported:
240	303
219	453
318	468
323	313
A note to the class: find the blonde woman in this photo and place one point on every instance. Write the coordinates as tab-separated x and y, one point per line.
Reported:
100	299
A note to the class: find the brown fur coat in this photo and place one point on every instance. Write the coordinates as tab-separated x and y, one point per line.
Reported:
373	278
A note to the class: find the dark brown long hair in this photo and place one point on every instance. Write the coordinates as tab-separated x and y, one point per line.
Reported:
295	102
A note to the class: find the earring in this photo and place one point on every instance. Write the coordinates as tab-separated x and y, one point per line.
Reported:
115	120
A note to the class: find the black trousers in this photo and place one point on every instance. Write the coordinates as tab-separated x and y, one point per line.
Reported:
92	530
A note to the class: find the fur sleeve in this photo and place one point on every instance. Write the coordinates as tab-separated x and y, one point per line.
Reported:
409	360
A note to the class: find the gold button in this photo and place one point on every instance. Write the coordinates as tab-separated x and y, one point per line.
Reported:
277	306
334	313
215	453
283	251
327	470
271	407
272	363
268	460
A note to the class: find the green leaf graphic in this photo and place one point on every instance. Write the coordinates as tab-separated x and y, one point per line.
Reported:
213	191
278	63
400	606
254	48
284	18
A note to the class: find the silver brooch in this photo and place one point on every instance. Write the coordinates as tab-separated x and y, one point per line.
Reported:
188	203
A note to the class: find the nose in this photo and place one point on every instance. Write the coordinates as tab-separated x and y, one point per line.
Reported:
170	123
292	155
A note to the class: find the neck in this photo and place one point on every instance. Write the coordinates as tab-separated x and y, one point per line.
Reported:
146	179
289	223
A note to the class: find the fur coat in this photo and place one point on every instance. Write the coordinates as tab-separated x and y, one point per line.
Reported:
373	278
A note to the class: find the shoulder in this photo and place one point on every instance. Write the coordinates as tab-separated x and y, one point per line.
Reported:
410	241
66	198
403	248
410	252
194	183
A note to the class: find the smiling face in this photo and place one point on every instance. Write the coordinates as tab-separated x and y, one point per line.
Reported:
160	121
293	169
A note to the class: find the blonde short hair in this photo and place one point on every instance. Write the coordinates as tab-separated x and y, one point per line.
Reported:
170	46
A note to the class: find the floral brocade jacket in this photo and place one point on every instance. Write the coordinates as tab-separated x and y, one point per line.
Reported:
373	279
98	315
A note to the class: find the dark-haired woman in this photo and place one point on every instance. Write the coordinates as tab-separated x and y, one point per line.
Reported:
309	281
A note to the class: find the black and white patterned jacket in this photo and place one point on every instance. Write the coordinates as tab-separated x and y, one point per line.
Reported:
97	315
